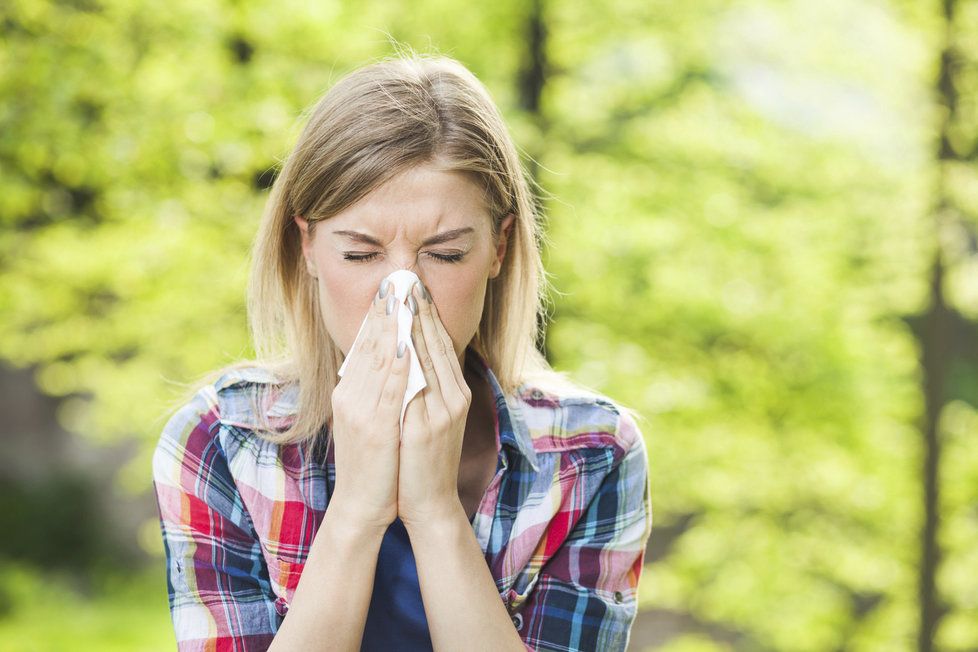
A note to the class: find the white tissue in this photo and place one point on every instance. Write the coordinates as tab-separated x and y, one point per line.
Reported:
402	280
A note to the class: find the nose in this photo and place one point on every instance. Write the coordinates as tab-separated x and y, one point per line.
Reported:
405	263
410	265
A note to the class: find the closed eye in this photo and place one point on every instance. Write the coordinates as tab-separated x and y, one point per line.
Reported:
359	257
448	258
366	257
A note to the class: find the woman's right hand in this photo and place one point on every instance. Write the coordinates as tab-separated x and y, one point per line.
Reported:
365	423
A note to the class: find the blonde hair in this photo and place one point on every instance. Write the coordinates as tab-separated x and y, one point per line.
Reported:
374	123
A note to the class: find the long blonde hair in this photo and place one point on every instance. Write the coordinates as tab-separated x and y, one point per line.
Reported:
374	123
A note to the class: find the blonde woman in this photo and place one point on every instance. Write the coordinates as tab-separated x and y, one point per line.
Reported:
510	509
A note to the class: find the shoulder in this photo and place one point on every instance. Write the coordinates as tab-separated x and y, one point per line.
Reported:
254	397
221	415
561	417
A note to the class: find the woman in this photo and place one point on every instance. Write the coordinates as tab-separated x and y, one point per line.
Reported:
511	508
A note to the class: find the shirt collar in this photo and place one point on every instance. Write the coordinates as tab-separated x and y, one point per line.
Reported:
513	431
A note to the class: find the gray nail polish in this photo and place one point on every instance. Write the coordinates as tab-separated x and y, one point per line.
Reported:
391	302
401	348
424	290
412	304
384	289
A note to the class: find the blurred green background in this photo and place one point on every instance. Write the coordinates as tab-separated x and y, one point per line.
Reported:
763	221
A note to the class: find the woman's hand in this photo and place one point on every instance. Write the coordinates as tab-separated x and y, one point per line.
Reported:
366	412
434	423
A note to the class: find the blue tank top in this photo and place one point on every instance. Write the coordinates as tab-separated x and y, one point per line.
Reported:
396	618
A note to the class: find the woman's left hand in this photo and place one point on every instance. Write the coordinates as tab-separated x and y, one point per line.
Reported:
434	424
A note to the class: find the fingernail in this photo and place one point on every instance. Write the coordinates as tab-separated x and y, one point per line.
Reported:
401	348
384	289
412	304
424	290
391	302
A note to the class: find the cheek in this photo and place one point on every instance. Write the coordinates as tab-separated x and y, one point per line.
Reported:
344	297
459	299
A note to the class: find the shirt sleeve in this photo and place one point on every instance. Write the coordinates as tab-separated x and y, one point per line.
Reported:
220	595
586	595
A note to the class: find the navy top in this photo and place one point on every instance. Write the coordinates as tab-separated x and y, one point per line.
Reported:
396	620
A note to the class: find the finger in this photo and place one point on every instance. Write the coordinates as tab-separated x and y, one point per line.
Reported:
425	358
372	358
361	342
395	385
440	346
453	359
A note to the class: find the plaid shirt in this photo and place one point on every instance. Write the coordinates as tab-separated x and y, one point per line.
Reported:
563	524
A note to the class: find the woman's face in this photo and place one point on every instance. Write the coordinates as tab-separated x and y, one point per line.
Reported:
429	221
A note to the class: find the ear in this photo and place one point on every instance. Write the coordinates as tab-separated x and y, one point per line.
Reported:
505	227
303	225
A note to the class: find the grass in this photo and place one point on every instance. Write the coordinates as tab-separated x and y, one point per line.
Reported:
42	611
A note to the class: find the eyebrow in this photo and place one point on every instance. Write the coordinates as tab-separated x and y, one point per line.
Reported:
445	236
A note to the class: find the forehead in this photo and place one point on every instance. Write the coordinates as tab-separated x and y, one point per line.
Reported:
420	198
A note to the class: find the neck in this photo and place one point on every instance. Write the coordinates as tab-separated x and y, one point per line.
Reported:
479	431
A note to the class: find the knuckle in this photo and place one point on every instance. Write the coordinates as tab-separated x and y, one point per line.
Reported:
376	362
427	362
399	370
357	424
389	396
458	409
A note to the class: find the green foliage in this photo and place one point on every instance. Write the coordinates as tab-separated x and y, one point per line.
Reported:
741	233
49	612
70	531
